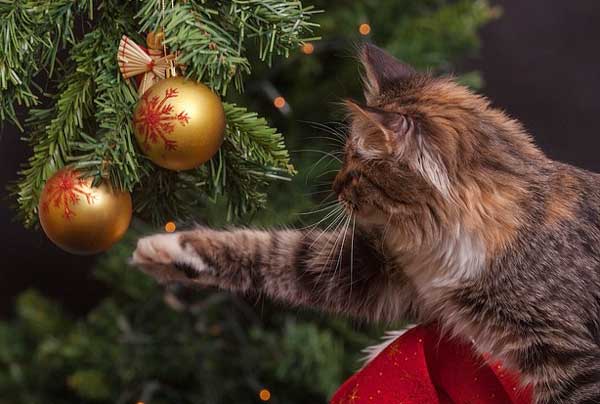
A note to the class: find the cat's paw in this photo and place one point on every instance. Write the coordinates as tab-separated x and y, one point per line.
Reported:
164	258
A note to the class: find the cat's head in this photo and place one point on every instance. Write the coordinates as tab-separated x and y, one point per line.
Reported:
423	148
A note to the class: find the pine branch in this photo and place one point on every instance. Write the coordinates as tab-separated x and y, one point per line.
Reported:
210	53
255	140
213	41
167	195
66	132
111	152
32	32
90	123
252	155
276	26
19	42
54	130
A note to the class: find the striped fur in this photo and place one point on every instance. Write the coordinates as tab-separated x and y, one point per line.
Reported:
460	219
300	268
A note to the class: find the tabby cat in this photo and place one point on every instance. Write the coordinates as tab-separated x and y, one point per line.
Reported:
459	219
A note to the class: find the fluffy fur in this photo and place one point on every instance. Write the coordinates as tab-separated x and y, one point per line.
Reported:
459	219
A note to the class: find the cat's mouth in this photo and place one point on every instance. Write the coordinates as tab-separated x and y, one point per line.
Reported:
363	210
349	206
373	212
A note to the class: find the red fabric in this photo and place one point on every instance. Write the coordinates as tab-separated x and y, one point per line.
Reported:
422	367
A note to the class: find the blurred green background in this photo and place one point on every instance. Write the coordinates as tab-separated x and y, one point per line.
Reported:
138	342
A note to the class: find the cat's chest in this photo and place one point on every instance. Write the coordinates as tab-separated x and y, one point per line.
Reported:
442	272
439	269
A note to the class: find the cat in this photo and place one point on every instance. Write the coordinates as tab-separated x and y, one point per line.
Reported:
459	219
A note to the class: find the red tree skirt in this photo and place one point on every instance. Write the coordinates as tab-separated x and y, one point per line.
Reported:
422	367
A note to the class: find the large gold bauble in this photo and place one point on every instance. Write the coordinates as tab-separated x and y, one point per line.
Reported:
82	219
179	123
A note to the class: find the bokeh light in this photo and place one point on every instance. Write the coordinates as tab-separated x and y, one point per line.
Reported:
170	227
264	394
308	48
279	102
364	29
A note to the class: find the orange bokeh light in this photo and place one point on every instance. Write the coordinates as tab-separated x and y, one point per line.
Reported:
264	394
279	102
364	29
308	48
170	227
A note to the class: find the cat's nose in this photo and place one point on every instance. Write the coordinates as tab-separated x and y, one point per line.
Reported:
338	183
346	182
344	179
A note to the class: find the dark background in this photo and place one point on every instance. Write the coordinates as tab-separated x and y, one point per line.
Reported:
539	61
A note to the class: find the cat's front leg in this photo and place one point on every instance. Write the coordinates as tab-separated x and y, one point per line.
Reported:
226	259
317	269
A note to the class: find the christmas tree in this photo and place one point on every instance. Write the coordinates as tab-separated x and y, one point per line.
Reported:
86	106
60	83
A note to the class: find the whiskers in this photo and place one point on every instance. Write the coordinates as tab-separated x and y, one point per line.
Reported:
332	212
352	252
332	155
335	131
332	235
332	238
339	264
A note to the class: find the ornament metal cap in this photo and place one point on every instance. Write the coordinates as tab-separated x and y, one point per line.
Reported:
155	40
172	70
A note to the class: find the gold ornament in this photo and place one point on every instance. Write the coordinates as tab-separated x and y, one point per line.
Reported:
179	123
82	219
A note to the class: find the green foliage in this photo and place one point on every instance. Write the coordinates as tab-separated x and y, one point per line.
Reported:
89	384
54	131
141	345
304	354
32	32
88	119
451	32
253	153
39	316
213	36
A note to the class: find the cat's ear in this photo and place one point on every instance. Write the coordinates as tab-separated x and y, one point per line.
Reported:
382	71
379	131
384	134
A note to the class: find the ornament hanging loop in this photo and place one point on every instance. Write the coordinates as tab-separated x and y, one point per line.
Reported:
105	170
172	70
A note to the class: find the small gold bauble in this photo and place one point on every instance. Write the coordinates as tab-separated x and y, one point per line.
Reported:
179	123
82	219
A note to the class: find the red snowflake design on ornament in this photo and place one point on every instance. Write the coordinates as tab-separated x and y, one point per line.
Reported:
156	119
64	190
